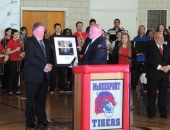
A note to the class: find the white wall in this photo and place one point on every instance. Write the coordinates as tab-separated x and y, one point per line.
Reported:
105	11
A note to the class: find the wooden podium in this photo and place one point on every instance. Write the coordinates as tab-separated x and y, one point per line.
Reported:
101	97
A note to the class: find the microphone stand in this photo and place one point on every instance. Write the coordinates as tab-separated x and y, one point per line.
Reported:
72	89
129	58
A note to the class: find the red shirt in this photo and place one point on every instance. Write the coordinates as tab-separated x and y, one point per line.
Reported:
1	52
81	36
12	44
122	59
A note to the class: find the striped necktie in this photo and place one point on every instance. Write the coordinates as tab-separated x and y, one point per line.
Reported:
43	47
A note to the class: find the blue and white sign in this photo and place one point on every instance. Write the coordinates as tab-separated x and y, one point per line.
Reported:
106	99
10	15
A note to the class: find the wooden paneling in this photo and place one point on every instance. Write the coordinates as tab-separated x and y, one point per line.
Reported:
55	17
48	18
30	17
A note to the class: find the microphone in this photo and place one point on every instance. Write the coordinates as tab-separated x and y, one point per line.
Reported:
73	60
100	46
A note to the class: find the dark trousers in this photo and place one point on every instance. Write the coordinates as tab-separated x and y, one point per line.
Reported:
137	72
36	95
152	86
61	77
69	73
13	76
5	76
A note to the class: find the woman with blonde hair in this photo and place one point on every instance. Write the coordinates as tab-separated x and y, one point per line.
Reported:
123	51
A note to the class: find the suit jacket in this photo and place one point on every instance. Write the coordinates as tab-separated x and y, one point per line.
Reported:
154	58
35	60
115	56
94	54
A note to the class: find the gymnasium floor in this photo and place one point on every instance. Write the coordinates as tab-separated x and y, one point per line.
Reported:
59	111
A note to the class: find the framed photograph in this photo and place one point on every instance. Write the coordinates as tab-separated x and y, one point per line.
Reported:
65	50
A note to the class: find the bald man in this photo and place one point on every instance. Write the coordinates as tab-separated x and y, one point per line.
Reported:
158	65
92	52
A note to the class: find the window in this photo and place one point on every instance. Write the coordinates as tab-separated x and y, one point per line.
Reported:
155	17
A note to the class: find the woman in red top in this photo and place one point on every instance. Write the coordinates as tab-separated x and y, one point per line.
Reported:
14	50
126	49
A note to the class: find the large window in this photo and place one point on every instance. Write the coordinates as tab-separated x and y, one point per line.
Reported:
155	17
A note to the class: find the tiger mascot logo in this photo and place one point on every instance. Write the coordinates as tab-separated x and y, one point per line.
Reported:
104	103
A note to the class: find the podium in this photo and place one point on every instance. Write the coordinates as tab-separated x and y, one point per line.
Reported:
101	97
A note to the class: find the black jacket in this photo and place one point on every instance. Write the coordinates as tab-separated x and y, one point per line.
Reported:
35	61
154	58
94	54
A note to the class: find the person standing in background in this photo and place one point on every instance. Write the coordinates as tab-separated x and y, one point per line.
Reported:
24	32
112	31
149	33
161	28
140	37
91	22
81	36
14	50
62	69
4	42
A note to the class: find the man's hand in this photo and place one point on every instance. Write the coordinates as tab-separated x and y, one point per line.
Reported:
166	69
48	68
162	68
75	64
80	48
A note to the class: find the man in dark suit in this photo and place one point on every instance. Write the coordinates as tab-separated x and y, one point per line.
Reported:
158	61
92	50
36	74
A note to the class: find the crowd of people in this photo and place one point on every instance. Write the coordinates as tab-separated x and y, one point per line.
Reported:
119	49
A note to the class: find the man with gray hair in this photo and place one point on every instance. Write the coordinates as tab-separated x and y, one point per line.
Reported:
36	74
92	50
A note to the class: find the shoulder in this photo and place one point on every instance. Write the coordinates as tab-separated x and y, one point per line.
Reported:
46	40
135	38
85	34
110	30
75	34
146	37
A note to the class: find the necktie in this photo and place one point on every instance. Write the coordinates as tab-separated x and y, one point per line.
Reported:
43	48
161	51
87	47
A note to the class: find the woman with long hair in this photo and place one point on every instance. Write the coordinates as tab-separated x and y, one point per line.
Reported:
161	28
123	51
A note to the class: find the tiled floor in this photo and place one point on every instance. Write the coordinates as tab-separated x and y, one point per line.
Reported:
59	111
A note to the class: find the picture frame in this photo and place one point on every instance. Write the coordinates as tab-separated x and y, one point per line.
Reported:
65	50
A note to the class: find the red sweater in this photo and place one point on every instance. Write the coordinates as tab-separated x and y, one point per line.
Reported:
122	59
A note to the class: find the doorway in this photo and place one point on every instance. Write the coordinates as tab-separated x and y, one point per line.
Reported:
48	16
